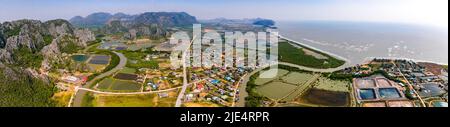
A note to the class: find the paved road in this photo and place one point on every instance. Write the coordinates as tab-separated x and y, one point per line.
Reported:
242	89
185	83
185	80
238	86
79	95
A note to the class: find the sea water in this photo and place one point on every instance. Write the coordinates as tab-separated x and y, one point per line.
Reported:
360	41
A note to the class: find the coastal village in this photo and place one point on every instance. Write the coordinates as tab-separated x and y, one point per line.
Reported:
148	73
221	63
215	87
125	70
400	83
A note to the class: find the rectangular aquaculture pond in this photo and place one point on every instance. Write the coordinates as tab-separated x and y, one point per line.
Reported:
367	94
326	98
389	93
100	59
80	58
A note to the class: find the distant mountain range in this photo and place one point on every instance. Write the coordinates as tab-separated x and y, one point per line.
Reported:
254	21
164	19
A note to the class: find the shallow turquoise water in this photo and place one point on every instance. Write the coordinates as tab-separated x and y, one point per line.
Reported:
79	58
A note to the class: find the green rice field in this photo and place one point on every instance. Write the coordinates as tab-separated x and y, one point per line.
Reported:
297	78
262	81
296	88
332	85
111	84
127	70
105	83
275	90
150	100
303	87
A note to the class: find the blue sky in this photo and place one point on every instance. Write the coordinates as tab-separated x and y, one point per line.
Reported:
433	12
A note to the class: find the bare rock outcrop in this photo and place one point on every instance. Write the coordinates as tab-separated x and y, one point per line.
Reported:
5	56
84	36
51	54
6	71
59	27
46	39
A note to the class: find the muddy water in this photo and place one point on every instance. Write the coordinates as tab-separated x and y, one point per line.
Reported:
325	98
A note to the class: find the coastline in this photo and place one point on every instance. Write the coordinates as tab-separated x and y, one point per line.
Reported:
409	59
348	63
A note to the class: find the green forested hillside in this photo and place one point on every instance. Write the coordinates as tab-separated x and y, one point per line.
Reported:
24	91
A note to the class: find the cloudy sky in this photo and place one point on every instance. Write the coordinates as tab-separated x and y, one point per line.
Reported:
431	12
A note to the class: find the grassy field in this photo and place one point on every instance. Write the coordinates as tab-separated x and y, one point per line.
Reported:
62	98
136	60
96	67
291	54
305	84
128	70
332	85
262	81
275	90
110	84
88	100
125	85
105	83
151	100
94	47
297	78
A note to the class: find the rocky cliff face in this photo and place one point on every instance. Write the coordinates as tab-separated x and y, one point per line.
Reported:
26	48
6	71
51	53
5	56
23	34
2	39
84	36
28	40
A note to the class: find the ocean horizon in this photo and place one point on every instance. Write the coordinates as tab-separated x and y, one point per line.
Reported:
359	41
